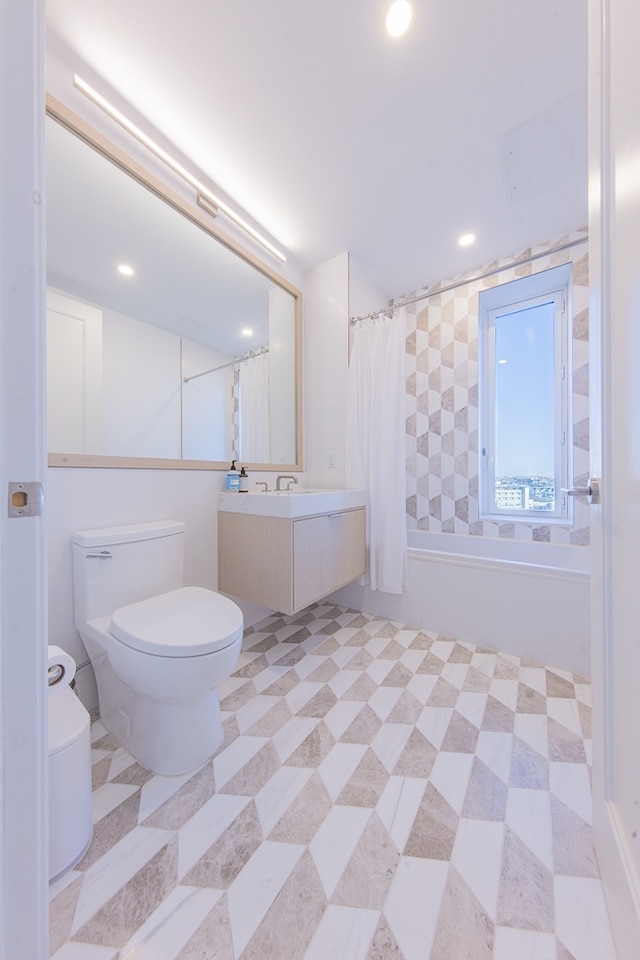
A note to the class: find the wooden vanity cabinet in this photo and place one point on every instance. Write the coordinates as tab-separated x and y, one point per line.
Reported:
286	564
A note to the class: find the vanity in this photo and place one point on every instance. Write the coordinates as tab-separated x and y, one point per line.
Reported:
286	549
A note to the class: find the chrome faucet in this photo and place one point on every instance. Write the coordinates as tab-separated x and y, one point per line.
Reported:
261	483
283	476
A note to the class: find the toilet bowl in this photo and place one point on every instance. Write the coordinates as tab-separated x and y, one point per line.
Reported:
159	650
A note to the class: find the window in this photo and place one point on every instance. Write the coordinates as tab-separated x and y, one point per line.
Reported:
524	398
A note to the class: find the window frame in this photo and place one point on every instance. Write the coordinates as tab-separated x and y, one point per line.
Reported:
552	285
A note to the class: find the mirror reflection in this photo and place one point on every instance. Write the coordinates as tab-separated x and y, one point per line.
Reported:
162	342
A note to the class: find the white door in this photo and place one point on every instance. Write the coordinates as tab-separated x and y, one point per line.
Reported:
614	231
23	749
74	375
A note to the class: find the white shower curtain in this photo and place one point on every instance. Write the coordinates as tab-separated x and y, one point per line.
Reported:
253	412
376	443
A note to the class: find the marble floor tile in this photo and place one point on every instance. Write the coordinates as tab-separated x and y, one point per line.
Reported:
335	841
256	887
413	905
381	793
343	932
477	856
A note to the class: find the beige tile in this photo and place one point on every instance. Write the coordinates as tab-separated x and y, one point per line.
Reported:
461	736
224	860
486	797
300	823
498	717
175	812
434	828
290	923
320	704
61	912
254	774
431	664
407	709
528	767
464	926
559	687
314	748
564	745
115	922
384	945
213	930
367	878
525	899
367	783
444	695
417	758
573	853
112	828
271	722
364	727
363	688
399	676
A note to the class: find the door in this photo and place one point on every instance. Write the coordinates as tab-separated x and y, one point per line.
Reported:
23	749
614	229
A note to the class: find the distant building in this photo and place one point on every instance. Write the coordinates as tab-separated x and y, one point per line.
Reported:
525	493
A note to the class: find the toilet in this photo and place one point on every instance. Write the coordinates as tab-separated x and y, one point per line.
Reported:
159	650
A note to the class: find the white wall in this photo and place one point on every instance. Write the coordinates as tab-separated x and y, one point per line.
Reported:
140	389
282	378
207	404
325	371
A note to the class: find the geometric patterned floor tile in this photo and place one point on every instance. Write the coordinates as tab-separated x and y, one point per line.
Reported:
381	792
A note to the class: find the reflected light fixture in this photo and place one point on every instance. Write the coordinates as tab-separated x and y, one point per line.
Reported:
247	333
126	270
161	154
398	18
466	239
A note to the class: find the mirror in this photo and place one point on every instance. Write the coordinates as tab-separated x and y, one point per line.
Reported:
191	360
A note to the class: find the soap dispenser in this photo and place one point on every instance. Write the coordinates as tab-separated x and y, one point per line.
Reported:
244	481
233	478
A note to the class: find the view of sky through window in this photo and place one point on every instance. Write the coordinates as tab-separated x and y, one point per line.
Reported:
525	395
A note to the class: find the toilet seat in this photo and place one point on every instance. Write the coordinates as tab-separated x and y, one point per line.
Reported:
188	622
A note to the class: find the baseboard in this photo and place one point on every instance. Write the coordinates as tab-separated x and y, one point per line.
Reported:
619	879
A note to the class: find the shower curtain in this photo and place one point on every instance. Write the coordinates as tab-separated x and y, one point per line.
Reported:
253	412
376	427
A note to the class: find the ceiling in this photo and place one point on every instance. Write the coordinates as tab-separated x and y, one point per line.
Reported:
332	136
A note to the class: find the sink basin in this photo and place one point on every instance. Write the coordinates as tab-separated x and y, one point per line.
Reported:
290	503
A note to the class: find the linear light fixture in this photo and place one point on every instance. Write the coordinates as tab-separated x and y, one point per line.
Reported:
158	151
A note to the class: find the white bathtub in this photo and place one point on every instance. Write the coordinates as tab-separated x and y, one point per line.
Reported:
526	598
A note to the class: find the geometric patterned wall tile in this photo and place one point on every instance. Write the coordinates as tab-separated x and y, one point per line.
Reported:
442	403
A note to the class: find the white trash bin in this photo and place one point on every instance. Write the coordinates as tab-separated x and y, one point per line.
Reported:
70	820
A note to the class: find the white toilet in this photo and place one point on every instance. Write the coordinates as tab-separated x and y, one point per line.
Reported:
159	650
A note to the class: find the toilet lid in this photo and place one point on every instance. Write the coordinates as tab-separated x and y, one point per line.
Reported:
188	622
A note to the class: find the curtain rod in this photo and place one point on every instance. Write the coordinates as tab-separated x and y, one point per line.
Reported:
231	363
474	279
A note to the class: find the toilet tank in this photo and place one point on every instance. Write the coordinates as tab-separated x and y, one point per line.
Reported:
114	566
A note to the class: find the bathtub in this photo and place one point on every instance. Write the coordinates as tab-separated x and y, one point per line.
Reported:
525	598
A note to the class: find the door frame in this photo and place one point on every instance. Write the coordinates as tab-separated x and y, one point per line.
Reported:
23	557
607	329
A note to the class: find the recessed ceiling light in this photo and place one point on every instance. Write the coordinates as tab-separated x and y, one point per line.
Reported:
126	270
502	361
466	239
247	332
398	18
